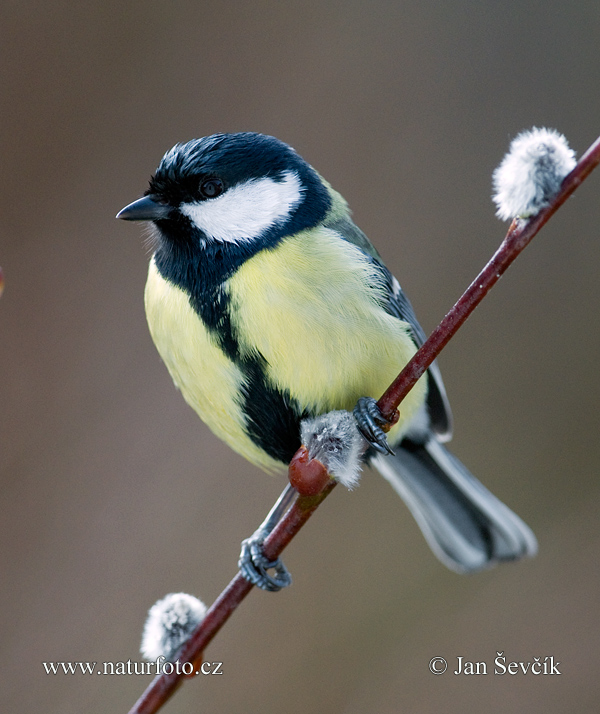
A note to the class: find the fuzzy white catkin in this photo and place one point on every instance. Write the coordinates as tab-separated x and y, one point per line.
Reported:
531	173
169	624
334	440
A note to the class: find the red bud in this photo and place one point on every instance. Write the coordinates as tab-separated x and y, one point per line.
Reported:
308	476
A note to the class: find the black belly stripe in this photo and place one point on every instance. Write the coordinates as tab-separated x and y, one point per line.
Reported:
272	417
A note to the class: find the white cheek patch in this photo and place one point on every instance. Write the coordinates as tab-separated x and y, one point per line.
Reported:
246	211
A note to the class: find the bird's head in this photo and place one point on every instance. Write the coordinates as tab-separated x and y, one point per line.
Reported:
238	189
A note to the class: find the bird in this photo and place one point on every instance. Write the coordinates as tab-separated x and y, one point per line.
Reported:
269	306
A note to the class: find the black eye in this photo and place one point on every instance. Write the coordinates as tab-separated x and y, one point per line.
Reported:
211	188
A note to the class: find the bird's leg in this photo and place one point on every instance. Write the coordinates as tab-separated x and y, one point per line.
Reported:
252	563
369	421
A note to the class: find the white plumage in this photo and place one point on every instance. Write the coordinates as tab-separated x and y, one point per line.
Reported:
246	211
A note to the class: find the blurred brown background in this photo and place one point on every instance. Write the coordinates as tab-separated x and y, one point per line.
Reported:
113	492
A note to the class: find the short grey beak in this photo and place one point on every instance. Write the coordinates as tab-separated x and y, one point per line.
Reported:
144	209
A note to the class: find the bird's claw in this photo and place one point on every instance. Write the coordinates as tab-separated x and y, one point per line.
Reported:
253	565
369	420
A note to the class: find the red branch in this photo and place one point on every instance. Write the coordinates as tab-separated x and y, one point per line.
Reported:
164	685
519	235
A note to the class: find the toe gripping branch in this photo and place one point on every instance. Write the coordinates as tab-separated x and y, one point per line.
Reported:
252	563
370	421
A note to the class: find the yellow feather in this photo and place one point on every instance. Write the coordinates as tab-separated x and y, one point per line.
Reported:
312	308
209	381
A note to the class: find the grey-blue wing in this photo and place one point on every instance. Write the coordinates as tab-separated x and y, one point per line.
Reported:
438	407
398	305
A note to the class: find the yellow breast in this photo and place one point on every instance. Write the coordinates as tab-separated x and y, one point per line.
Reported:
209	381
312	308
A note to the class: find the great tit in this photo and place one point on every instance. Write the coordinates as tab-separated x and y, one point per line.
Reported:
269	305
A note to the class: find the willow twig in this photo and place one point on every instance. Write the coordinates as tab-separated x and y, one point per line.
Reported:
519	235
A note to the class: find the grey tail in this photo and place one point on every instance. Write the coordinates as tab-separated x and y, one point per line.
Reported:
466	526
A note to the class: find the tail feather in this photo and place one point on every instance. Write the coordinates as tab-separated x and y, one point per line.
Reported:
466	526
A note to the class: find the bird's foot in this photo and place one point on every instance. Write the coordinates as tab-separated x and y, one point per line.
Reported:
369	420
254	565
